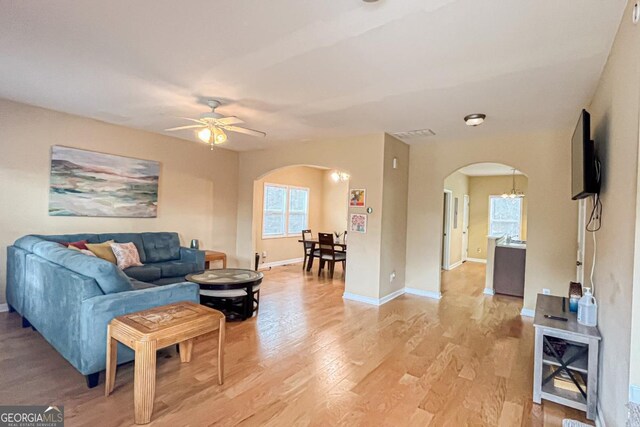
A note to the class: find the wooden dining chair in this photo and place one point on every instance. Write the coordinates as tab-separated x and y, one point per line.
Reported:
308	248
328	253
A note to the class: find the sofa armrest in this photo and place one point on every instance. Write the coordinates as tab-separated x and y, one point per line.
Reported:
192	255
97	312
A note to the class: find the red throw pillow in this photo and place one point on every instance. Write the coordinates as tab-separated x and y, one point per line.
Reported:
80	244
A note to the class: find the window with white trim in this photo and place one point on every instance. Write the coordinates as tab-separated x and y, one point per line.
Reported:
505	216
285	210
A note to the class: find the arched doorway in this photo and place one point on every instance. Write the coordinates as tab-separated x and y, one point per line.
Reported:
484	229
290	199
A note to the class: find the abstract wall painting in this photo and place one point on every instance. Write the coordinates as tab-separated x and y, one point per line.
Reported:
358	223
88	183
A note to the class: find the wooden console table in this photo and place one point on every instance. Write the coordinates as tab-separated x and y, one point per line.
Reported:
565	349
150	330
210	256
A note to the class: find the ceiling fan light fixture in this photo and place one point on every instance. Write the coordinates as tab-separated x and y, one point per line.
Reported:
205	135
475	119
219	136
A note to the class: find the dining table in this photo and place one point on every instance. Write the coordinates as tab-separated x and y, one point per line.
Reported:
314	242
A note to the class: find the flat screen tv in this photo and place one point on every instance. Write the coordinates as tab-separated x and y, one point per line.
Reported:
585	169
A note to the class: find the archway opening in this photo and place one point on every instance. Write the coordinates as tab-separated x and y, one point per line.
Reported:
287	201
484	230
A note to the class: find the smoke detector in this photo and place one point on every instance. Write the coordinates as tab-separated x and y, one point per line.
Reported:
412	134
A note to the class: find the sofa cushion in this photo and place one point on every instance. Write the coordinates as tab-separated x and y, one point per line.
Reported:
145	273
169	281
109	277
80	244
160	247
176	268
137	285
135	238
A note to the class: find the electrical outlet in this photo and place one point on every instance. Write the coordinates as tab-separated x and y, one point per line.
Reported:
392	276
478	250
546	291
264	254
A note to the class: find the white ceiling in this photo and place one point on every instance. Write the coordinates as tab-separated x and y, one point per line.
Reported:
488	169
302	70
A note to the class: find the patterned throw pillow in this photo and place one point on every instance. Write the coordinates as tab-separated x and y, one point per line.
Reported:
103	250
126	255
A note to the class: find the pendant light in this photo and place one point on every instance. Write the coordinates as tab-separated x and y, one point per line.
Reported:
514	192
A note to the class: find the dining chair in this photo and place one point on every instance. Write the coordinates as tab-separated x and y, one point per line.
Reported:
308	247
328	253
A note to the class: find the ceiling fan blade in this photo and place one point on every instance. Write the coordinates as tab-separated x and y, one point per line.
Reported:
245	131
202	122
184	127
227	121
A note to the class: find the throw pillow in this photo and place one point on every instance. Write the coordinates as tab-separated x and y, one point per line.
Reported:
84	251
126	255
103	250
80	244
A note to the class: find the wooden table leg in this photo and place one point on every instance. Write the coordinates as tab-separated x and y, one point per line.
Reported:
221	339
186	348
224	261
112	362
144	382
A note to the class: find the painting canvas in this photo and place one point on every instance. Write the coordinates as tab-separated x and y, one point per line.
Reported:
357	198
87	183
358	223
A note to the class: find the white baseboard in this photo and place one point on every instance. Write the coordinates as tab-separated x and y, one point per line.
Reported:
455	265
392	295
4	307
527	312
268	265
480	260
488	291
361	298
423	293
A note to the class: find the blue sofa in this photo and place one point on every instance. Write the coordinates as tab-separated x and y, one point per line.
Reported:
70	297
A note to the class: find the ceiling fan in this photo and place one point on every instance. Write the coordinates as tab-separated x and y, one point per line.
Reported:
212	126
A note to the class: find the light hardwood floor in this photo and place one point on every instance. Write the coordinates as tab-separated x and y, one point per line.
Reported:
312	358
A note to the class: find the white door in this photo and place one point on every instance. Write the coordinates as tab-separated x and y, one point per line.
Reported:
582	212
446	229
465	228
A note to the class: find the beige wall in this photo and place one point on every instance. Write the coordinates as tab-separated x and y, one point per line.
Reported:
362	158
286	248
480	188
335	205
458	184
615	110
197	193
394	215
552	216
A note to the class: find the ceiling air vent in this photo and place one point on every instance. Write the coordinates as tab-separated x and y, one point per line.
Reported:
412	134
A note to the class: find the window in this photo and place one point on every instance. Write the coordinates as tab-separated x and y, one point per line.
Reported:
505	216
286	210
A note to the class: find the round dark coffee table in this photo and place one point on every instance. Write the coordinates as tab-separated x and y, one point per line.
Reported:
230	290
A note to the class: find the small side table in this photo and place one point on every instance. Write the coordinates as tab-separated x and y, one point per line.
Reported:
575	365
210	256
149	330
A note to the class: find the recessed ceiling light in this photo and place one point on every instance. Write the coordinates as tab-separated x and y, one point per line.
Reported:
475	119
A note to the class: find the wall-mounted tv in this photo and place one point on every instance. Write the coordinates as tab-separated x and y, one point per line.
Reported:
585	168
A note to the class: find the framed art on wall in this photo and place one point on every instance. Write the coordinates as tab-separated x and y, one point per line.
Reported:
358	223
88	183
357	198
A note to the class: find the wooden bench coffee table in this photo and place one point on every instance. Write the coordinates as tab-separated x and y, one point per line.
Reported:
150	330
